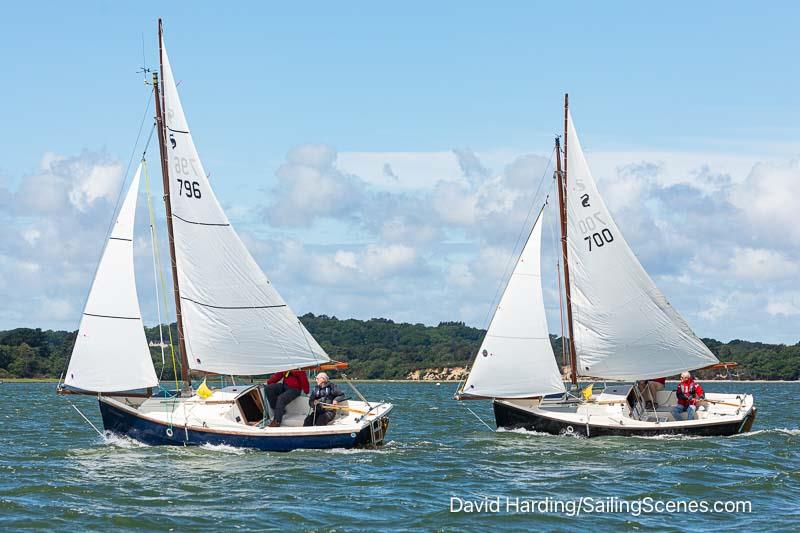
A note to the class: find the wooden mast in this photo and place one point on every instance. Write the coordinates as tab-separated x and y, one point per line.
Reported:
161	126
562	205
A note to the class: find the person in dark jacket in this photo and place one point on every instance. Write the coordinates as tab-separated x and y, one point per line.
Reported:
325	392
282	388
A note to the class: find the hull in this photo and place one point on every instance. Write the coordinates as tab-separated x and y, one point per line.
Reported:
512	417
129	423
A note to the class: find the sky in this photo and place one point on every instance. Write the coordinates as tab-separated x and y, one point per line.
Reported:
381	160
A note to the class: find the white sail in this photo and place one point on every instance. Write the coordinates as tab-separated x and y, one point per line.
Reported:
516	359
111	352
234	321
624	327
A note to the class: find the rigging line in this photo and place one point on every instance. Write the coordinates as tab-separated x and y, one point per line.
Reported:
155	268
114	214
554	243
87	420
479	418
161	278
512	255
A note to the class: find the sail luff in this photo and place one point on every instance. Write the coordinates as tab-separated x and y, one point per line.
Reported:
624	326
161	125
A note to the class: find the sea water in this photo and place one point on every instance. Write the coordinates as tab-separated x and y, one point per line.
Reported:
440	470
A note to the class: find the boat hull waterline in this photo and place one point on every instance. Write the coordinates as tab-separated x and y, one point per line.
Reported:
126	421
509	416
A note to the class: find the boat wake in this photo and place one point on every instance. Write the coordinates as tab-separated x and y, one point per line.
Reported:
121	441
782	431
224	448
532	433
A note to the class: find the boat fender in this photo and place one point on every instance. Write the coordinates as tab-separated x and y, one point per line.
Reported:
352	435
569	430
169	432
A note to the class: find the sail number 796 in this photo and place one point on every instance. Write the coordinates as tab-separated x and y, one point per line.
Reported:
190	189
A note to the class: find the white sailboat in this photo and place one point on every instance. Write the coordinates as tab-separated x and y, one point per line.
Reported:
231	321
621	328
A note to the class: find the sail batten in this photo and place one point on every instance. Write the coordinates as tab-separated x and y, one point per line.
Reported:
111	352
234	320
624	327
516	359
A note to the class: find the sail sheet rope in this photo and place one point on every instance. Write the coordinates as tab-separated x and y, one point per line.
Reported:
160	280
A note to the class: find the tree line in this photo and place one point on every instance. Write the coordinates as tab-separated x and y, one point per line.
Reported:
378	348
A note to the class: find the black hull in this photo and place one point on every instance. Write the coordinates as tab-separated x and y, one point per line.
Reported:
123	422
510	417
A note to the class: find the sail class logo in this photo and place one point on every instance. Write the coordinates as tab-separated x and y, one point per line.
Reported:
585	200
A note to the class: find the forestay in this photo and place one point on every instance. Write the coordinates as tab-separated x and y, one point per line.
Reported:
234	321
111	352
516	359
624	327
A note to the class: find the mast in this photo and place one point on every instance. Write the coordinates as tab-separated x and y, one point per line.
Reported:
159	98
562	205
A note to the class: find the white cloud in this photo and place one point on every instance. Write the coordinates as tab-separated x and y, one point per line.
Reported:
379	261
768	198
310	186
787	306
759	264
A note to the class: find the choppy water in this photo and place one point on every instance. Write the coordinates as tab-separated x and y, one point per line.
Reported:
56	472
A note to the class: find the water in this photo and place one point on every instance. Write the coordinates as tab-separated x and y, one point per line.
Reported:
55	471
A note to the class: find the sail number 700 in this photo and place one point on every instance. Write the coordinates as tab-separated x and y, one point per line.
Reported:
599	238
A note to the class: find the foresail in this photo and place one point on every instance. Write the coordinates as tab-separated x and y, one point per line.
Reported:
234	321
624	327
516	358
111	352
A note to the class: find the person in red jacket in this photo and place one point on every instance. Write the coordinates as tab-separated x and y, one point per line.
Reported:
689	394
282	388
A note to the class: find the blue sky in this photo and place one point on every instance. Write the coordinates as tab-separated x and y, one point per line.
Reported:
689	114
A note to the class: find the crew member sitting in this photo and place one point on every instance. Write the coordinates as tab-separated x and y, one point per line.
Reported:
282	388
325	392
649	389
689	394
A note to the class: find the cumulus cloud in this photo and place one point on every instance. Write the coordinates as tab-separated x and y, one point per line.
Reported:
310	187
54	229
429	237
768	199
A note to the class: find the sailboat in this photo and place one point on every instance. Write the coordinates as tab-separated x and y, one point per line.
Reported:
230	321
621	330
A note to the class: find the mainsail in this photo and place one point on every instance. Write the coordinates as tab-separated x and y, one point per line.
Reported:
111	352
624	327
516	359
234	321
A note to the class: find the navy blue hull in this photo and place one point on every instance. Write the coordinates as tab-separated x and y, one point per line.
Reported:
149	432
510	417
